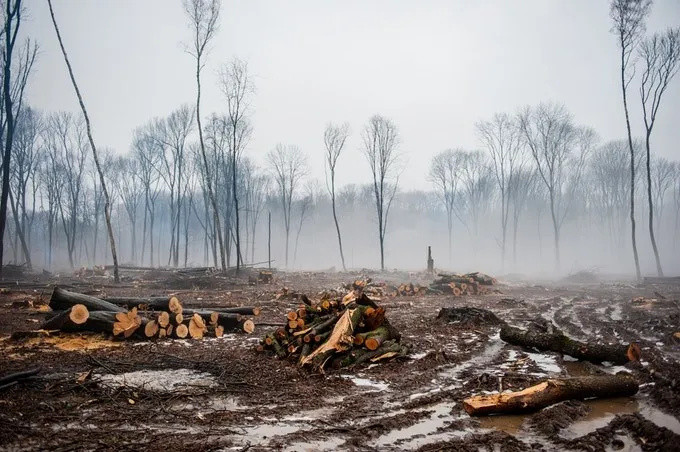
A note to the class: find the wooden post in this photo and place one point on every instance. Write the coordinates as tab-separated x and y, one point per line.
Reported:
430	261
269	241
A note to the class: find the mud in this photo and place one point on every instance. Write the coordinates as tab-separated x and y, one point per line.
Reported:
93	393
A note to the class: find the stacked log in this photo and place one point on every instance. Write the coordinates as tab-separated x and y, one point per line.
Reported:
143	318
335	333
475	283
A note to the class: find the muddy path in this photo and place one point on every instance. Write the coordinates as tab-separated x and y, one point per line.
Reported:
93	393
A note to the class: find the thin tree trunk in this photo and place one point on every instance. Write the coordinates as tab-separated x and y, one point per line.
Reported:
659	270
632	165
107	202
335	218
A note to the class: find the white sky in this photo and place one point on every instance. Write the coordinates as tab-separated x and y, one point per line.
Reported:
434	67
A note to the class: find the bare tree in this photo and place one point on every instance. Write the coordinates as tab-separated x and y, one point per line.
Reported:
663	172
661	58
256	186
289	166
522	184
147	154
445	175
502	138
131	189
381	138
203	16
559	150
237	87
15	72
304	205
476	189
334	138
629	25
107	201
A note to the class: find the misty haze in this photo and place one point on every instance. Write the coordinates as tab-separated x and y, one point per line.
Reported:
340	225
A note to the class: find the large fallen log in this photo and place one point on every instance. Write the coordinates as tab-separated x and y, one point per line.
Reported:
550	392
161	304
558	342
62	299
123	324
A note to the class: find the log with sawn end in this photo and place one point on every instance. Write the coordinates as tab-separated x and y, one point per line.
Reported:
550	392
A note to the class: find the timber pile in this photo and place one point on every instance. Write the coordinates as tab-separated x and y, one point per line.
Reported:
468	284
340	332
409	290
143	318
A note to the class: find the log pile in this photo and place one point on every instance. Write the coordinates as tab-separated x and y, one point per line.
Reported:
458	285
143	318
335	332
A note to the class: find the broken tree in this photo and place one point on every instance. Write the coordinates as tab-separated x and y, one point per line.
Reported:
550	392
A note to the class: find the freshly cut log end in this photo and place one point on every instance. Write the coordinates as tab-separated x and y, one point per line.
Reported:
198	320
175	306
214	317
151	328
257	311
300	323
179	318
169	330
292	324
550	392
195	330
292	315
79	314
162	332
181	331
634	353
248	326
219	331
372	343
163	319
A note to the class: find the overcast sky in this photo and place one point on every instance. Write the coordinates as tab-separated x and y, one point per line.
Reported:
433	67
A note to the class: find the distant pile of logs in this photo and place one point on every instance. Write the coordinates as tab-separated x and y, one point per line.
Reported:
410	289
468	284
143	318
335	333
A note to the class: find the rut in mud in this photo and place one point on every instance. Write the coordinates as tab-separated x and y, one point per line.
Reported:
221	393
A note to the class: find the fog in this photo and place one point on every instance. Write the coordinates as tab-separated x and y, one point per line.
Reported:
457	97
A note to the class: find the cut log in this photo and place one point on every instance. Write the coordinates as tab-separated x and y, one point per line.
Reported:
219	331
151	328
164	319
79	314
339	340
248	326
97	322
181	331
174	305
558	342
550	392
62	299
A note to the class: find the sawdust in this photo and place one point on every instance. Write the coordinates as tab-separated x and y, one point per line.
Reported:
63	342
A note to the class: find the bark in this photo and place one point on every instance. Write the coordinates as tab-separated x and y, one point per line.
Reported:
550	392
63	299
558	342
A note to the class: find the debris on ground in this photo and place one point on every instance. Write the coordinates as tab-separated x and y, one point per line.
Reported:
142	318
340	332
468	284
469	316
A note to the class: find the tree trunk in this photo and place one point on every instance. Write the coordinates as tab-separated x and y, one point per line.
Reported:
63	299
107	201
558	342
335	219
659	270
550	392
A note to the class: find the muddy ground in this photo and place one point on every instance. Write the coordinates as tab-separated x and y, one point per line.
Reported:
220	394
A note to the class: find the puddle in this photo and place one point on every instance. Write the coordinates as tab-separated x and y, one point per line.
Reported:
492	349
547	363
316	446
603	411
159	380
377	386
510	424
422	429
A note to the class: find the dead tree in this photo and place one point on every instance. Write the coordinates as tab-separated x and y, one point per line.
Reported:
305	205
521	186
629	25
380	139
502	138
476	188
131	190
445	175
334	138
559	150
203	16
237	88
661	58
107	202
147	154
15	72
289	166
663	172
256	188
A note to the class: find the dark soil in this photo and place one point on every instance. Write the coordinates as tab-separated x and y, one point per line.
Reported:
222	394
